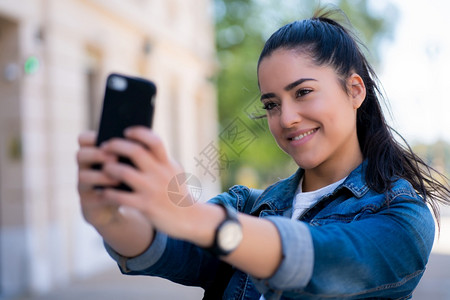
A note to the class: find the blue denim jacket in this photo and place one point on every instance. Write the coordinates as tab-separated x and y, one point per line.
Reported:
354	243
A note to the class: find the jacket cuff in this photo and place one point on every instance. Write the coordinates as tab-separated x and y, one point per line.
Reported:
143	261
296	267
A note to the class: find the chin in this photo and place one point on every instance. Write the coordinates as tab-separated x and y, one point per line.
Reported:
307	164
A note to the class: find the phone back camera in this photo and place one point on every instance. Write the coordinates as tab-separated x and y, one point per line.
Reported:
117	83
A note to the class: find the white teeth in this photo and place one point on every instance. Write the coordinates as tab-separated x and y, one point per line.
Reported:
303	135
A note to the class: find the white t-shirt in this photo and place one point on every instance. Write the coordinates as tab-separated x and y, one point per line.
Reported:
304	200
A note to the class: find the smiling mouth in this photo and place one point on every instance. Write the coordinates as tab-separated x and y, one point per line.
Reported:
303	135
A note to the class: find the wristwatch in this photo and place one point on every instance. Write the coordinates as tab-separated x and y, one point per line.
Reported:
228	234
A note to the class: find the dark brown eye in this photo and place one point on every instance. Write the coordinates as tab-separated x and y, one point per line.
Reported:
269	105
303	92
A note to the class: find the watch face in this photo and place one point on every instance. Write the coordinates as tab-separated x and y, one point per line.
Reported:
229	235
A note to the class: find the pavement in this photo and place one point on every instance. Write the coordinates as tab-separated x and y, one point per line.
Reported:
112	285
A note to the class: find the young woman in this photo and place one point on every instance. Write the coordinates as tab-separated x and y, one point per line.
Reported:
351	223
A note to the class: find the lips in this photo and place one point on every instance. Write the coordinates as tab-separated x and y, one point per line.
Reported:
301	134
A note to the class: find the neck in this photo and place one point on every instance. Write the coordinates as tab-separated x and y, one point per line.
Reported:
330	172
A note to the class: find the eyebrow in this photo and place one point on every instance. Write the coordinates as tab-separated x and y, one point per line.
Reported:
289	87
298	82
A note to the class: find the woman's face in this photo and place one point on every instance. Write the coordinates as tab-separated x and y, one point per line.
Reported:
310	115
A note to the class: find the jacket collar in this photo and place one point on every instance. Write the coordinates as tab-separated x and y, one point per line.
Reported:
279	196
356	181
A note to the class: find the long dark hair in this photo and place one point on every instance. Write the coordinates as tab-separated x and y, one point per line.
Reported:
330	43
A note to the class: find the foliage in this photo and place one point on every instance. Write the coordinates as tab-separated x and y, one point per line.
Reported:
242	26
436	155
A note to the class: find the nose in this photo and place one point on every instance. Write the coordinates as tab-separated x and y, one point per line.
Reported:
289	115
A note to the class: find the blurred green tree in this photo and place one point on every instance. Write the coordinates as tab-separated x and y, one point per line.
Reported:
242	26
436	154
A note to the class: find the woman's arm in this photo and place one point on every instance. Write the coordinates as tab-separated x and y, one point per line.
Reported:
259	253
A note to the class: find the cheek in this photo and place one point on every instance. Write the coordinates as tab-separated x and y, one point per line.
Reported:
338	112
275	128
272	126
341	122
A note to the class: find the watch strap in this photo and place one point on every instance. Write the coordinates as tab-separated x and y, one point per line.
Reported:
230	215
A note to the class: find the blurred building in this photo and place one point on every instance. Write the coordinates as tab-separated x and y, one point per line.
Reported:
54	59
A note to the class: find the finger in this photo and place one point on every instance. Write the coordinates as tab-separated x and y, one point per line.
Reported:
120	198
87	138
126	174
149	139
87	156
141	157
88	178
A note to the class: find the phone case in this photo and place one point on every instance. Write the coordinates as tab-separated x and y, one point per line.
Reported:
128	101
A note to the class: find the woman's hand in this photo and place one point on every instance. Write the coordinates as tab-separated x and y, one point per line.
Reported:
95	209
149	179
124	229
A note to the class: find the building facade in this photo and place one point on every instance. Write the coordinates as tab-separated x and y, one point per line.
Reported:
54	59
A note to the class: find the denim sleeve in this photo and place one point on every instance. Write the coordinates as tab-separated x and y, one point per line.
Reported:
144	260
296	267
178	260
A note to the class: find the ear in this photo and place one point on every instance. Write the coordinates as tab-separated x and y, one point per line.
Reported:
357	90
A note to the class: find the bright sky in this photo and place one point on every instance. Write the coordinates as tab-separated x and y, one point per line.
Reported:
415	70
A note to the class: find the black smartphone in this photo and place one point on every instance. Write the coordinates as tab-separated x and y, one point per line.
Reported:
128	101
